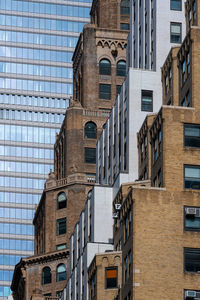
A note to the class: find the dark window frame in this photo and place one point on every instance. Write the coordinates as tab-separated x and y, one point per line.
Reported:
186	252
106	283
63	203
180	25
146	94
88	158
103	68
184	177
90	133
48	278
104	91
171	8
186	143
186	228
58	274
121	70
60	231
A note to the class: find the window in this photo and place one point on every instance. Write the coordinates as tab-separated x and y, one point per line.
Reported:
61	246
62	200
192	135
192	260
192	177
192	218
191	294
121	68
61	273
118	89
46	275
104	67
90	130
59	294
105	91
111	278
125	268
90	155
61	226
124	26
147	101
175	5
175	32
124	7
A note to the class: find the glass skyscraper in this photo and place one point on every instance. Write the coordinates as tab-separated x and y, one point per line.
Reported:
37	39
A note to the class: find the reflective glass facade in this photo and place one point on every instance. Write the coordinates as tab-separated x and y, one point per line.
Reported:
37	43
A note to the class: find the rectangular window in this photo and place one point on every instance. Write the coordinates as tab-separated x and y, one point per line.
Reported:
118	89
191	135
124	26
192	177
105	91
90	155
61	246
61	226
111	278
175	32
175	5
191	294
192	260
147	100
192	218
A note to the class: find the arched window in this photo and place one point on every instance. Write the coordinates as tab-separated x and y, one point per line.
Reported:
125	7
62	200
46	275
121	68
105	67
90	130
61	272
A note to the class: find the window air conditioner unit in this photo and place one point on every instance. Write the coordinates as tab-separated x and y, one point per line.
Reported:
115	215
190	211
190	294
118	206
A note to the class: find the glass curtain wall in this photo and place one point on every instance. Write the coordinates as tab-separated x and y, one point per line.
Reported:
37	43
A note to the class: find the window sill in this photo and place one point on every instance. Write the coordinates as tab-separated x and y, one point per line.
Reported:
189	148
191	190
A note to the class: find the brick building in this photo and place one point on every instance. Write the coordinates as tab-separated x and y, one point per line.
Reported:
99	68
157	228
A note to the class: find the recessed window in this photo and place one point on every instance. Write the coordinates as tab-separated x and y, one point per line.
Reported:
192	218
118	89
147	101
192	260
191	295
61	273
175	33
121	68
90	155
124	26
111	278
124	7
61	226
46	275
104	67
61	246
192	135
59	294
192	177
90	130
105	91
175	5
62	200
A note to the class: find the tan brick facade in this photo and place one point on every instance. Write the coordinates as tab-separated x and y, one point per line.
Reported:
99	288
